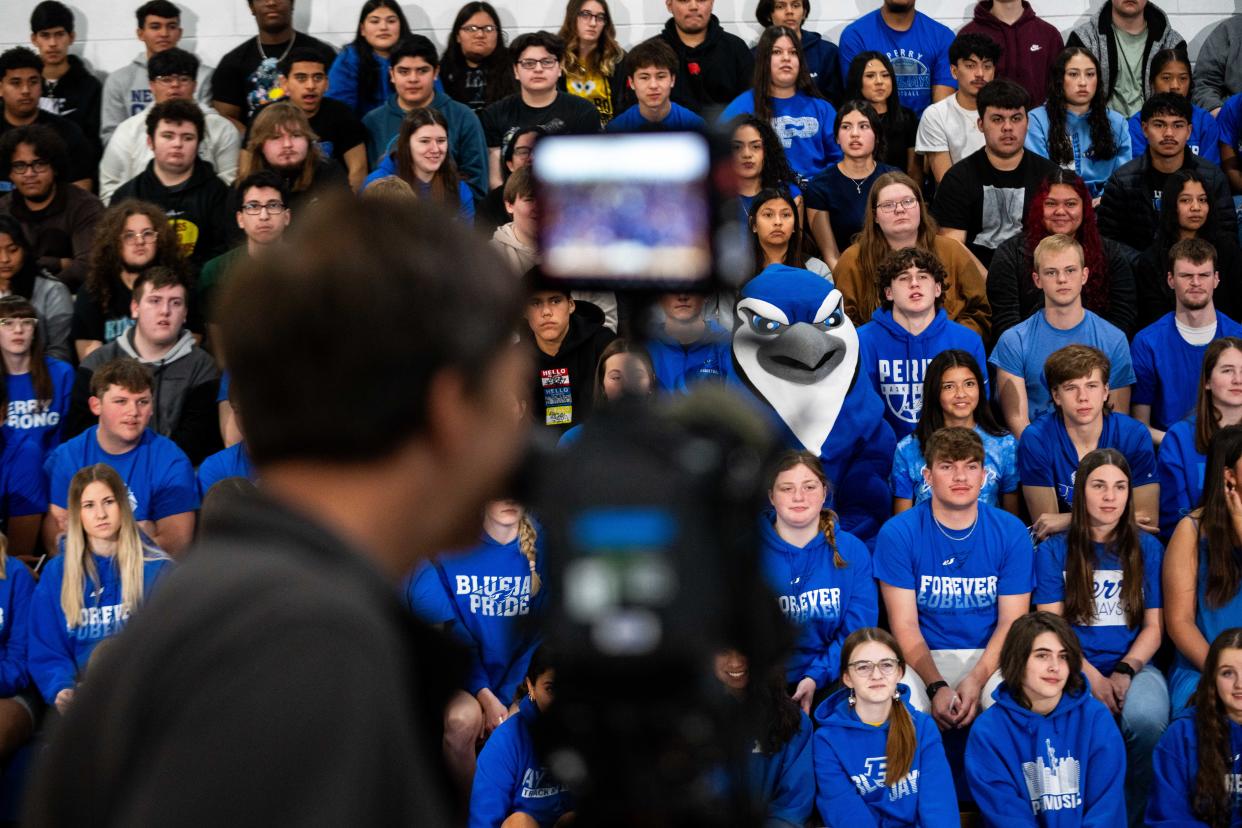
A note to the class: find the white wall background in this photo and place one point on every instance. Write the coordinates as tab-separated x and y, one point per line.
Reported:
212	27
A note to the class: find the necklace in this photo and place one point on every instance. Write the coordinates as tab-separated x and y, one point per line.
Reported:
259	45
857	182
945	531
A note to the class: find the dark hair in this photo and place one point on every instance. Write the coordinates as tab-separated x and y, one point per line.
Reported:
953	443
157	8
352	260
51	14
1166	103
508	145
23	281
901	744
1207	418
305	54
17	305
854	78
776	173
873	118
47	144
1080	558
620	345
1193	250
763	11
176	111
794	255
107	260
19	57
123	372
496	66
369	80
791	459
553	44
1074	362
155	278
1060	148
762	78
542	660
1224	573
899	261
173	61
1211	800
444	183
414	46
263	178
1016	651
1096	293
931	415
1169	230
606	55
1163	58
969	45
652	52
1001	93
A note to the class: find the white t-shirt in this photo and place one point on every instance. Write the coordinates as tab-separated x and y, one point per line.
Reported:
947	127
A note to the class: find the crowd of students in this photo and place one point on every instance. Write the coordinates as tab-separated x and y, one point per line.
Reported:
1035	236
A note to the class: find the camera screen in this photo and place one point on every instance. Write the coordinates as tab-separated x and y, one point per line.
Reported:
625	210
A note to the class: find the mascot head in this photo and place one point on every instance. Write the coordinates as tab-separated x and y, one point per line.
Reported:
796	348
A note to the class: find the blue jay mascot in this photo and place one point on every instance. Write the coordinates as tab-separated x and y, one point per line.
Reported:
795	349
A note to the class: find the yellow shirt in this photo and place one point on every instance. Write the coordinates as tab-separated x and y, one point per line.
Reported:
592	86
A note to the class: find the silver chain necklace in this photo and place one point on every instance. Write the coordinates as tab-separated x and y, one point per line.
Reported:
262	54
945	531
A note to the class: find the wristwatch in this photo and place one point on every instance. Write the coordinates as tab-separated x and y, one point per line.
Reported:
934	688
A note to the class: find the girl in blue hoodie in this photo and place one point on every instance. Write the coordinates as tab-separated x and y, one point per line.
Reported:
821	574
511	779
359	75
878	761
88	592
19	699
1103	576
1198	763
1047	753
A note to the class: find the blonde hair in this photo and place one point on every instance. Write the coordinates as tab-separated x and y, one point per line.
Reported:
527	536
390	186
131	553
1057	243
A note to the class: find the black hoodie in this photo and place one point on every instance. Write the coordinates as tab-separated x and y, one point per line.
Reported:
198	209
563	386
76	95
713	73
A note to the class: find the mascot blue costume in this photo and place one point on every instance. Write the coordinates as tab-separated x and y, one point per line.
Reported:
795	349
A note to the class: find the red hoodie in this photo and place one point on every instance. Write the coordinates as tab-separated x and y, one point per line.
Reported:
1028	47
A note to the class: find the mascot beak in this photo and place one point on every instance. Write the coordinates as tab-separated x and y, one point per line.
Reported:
802	354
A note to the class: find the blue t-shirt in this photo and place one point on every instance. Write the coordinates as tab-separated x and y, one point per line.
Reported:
1205	135
16	590
157	472
1000	467
231	462
957	583
1166	368
678	118
1107	638
223	394
844	198
1179	470
920	56
1229	122
1023	349
23	484
38	420
1047	457
804	125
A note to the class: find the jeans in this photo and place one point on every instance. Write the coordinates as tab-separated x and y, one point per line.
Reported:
1143	721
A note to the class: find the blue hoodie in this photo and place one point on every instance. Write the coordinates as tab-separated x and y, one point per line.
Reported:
850	787
1205	135
1093	172
804	125
1179	470
58	655
824	602
1175	766
16	589
678	367
784	781
343	81
1056	771
510	777
896	360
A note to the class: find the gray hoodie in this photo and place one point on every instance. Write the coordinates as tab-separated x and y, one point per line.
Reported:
1097	36
127	91
1218	72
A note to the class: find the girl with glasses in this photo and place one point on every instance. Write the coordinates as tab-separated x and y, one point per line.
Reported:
591	65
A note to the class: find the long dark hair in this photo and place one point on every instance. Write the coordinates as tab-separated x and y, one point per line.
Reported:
22	283
777	717
763	70
1169	230
369	80
496	66
1215	525
854	77
794	256
873	118
1207	418
1162	59
15	306
1080	557
444	184
107	262
776	172
931	415
1211	800
1021	640
1095	293
1060	148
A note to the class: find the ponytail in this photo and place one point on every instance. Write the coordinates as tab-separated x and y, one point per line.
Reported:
899	749
828	526
526	544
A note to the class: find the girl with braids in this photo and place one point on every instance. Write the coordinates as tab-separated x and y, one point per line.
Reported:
776	233
1075	128
591	66
486	596
475	67
1183	451
1203	566
759	163
784	95
1046	748
20	274
1199	760
806	557
359	75
871	78
1103	577
36	388
871	717
86	594
955	394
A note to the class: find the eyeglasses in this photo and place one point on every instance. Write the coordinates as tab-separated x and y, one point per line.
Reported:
531	63
590	17
142	237
479	29
169	80
522	152
39	165
21	323
253	208
888	666
906	203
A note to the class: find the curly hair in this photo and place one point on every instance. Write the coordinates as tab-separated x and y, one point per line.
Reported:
107	260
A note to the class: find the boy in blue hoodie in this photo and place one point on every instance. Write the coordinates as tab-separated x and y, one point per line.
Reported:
687	348
907	332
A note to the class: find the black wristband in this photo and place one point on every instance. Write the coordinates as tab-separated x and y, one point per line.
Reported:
934	688
1124	668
